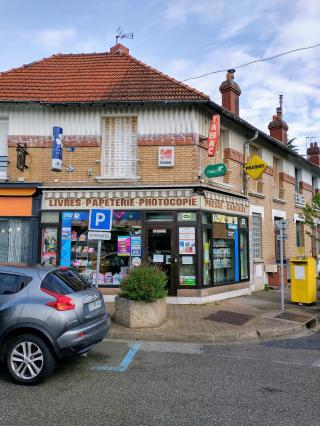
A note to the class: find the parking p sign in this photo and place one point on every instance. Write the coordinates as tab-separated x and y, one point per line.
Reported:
100	220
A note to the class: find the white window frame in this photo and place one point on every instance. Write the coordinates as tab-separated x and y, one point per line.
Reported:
258	243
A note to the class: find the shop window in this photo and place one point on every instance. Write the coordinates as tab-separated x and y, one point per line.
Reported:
187	216
206	218
117	254
49	245
207	270
120	148
159	217
14	240
256	236
225	253
50	217
187	256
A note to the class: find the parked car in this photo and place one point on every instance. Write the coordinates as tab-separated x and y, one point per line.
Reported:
46	315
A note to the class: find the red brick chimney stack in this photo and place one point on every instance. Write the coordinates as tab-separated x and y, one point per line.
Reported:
230	92
313	154
278	127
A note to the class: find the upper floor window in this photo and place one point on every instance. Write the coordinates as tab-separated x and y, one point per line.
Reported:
297	179
119	152
3	148
278	191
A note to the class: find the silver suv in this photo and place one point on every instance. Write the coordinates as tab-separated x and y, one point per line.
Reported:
46	315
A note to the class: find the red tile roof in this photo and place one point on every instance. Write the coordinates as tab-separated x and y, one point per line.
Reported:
95	77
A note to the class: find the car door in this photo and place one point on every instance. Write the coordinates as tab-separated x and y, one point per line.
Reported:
13	295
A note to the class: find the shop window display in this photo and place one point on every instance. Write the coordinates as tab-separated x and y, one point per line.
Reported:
117	254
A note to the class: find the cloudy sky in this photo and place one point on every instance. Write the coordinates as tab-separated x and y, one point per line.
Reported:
186	38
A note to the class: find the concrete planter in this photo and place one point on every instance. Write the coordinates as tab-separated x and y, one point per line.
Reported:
132	314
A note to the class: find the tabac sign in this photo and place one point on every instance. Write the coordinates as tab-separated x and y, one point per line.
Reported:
255	167
213	136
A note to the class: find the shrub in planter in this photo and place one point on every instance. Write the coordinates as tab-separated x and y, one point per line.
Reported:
144	283
141	302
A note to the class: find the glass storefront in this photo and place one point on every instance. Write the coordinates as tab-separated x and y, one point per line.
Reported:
196	249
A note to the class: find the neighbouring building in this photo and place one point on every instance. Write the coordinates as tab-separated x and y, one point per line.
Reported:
136	141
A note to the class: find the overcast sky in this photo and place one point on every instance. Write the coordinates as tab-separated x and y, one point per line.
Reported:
186	38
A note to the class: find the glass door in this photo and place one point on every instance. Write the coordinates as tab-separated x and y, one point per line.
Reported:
159	251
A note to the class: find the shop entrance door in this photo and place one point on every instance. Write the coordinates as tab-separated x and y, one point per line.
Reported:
159	243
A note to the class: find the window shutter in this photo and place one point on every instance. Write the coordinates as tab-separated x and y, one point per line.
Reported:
120	147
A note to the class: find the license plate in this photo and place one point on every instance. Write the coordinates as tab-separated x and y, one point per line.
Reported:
94	305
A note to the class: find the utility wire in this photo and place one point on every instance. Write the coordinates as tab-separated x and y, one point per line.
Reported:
253	62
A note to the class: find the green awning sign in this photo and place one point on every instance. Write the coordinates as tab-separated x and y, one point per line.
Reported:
215	170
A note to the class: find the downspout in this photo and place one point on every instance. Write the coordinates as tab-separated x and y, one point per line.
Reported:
244	175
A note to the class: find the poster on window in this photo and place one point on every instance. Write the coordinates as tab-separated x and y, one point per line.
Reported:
187	241
136	246
124	245
49	246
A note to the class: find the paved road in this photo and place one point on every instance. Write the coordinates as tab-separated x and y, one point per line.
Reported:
270	383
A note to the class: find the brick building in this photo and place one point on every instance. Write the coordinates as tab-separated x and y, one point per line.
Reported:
135	141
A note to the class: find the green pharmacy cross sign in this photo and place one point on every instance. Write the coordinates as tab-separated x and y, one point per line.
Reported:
215	170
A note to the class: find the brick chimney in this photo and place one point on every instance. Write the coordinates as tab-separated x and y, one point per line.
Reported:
230	92
278	127
119	48
313	154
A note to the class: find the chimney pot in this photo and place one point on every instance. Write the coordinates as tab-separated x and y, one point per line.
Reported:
278	127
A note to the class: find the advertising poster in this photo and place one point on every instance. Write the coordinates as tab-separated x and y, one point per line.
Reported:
187	242
187	280
49	246
56	165
136	246
124	245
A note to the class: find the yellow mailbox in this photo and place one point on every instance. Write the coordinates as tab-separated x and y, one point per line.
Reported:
303	280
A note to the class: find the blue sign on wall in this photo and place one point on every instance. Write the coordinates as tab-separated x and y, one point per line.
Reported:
56	163
100	220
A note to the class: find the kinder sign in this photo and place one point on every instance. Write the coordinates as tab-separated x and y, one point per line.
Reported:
213	136
166	156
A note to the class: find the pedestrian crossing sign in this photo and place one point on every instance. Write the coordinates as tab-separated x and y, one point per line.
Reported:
255	167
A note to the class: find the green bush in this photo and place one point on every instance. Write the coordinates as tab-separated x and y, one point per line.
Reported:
145	283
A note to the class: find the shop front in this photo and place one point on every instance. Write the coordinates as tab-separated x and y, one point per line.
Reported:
198	237
19	223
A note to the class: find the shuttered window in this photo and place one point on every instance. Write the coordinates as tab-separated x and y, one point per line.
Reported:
120	147
3	148
256	236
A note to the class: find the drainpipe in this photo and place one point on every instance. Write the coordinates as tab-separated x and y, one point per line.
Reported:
244	185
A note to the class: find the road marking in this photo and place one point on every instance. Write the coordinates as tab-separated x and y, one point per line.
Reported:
124	364
316	363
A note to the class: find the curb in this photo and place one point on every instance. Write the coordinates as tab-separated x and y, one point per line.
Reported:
236	336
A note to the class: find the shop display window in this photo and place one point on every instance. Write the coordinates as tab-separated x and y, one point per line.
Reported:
14	240
49	246
117	254
187	256
223	253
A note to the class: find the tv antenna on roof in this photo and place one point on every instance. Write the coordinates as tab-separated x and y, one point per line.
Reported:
120	34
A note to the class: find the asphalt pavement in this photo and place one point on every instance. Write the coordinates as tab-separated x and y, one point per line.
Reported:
274	382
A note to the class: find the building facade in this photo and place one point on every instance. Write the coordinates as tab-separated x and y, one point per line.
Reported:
136	142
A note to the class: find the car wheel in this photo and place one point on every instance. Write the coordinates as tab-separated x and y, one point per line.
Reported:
29	359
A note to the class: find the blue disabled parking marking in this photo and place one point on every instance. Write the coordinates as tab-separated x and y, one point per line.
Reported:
124	364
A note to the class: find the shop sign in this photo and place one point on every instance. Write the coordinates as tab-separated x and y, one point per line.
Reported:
224	206
215	170
213	136
124	244
96	235
159	231
166	156
124	203
56	161
255	167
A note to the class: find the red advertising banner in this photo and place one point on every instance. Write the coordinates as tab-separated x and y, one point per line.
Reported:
213	136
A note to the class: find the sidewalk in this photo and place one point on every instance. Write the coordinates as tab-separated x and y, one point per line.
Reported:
243	318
